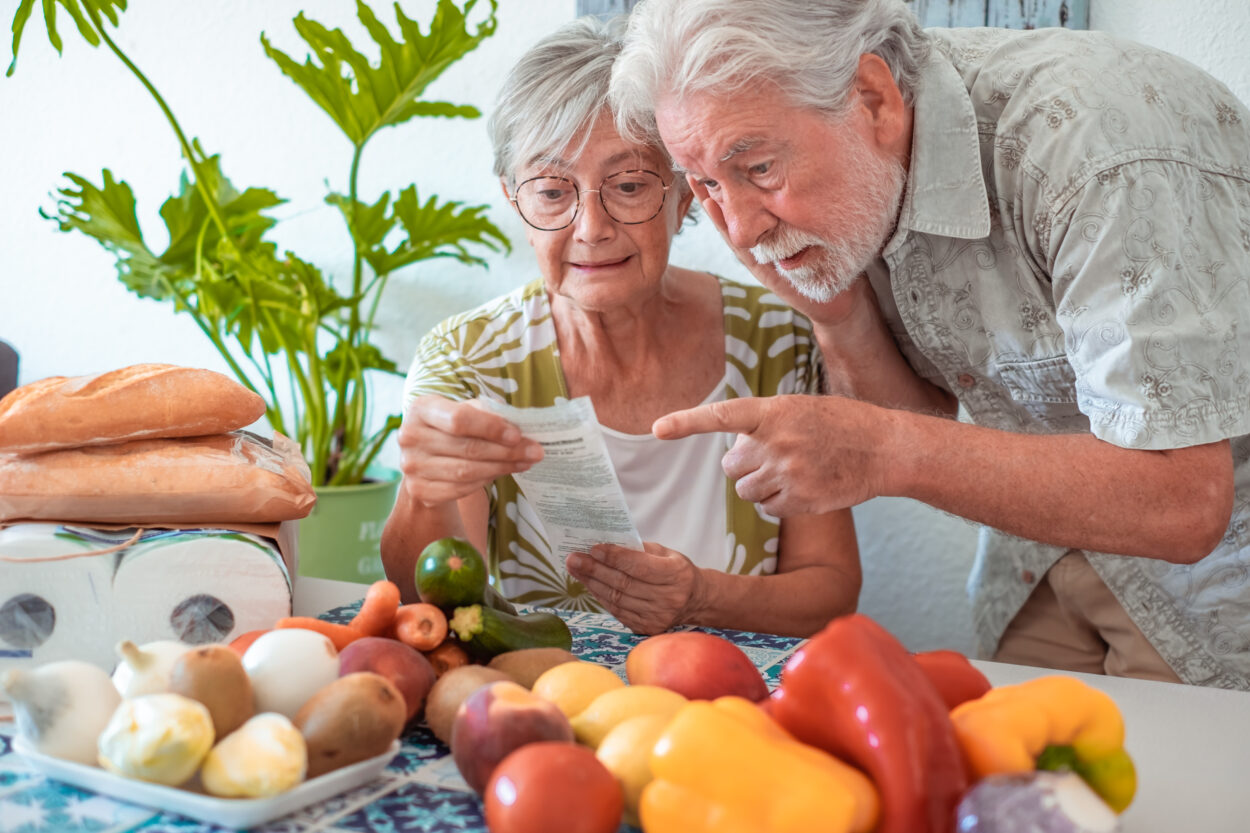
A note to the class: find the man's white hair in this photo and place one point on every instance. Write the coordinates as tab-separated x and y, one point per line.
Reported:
809	49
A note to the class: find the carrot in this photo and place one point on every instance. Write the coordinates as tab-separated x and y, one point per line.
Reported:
340	635
447	656
378	608
420	625
243	641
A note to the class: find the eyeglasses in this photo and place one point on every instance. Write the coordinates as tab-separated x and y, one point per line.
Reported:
550	203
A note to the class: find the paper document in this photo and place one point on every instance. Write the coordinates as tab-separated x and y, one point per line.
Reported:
573	488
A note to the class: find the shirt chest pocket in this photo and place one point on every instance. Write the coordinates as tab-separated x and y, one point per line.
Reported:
1049	381
1043	393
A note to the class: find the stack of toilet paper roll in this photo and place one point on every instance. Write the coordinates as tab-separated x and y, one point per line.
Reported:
70	592
133	508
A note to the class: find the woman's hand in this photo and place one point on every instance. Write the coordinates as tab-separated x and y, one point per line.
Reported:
451	449
649	592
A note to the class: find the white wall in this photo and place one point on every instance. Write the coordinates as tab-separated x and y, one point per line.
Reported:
63	308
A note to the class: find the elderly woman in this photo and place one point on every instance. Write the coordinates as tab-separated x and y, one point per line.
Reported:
613	320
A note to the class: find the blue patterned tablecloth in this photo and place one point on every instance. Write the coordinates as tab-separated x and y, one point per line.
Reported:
420	790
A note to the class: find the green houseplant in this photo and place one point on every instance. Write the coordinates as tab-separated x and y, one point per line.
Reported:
287	332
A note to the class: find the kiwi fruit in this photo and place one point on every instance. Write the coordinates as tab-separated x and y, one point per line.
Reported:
214	675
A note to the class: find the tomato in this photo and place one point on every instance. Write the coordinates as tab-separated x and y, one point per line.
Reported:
550	786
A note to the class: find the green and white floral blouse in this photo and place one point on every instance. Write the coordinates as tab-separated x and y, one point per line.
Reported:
506	349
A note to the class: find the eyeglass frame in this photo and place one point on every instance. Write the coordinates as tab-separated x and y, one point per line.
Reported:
578	190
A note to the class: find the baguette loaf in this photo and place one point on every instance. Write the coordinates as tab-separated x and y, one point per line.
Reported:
137	402
224	479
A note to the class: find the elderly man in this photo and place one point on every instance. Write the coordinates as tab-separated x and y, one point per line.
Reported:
1047	229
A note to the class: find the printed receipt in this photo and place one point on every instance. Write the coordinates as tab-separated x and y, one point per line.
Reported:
573	488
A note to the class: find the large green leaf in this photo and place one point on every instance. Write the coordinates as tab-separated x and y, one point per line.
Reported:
78	10
344	358
436	230
107	214
189	221
367	224
362	98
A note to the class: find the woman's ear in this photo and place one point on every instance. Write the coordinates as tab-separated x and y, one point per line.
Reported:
683	208
503	186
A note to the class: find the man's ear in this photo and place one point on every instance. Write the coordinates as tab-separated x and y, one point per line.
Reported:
881	102
503	185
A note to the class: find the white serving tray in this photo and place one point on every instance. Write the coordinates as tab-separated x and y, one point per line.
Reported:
236	813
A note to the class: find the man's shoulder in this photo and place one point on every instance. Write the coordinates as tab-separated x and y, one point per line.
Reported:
1062	105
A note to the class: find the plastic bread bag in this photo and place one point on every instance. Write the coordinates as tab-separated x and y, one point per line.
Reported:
220	479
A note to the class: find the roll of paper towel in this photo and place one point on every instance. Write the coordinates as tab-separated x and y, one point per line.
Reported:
54	609
198	586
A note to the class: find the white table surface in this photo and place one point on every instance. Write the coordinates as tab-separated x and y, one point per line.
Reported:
1191	746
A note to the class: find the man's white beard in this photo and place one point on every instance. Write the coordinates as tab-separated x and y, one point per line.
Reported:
875	190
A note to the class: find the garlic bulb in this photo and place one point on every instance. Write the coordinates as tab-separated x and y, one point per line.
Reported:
61	707
157	737
263	757
144	669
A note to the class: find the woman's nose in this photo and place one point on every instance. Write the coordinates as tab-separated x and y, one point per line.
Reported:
593	223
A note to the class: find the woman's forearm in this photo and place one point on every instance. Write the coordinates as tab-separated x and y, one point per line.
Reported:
795	603
409	529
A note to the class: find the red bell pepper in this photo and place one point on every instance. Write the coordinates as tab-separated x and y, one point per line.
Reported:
854	691
954	677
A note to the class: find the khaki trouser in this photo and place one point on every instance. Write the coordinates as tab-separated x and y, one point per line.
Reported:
1072	622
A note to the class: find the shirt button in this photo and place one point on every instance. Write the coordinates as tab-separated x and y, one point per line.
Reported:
966	380
1027	576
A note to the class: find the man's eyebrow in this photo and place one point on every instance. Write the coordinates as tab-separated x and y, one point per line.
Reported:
741	146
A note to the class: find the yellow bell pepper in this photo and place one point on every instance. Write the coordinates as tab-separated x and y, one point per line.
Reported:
726	767
1052	722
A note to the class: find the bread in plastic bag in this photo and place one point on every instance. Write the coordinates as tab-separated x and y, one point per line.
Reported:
220	479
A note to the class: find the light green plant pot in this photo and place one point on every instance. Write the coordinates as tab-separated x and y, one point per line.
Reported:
340	539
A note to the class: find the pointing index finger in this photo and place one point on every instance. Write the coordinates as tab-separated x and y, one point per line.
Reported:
735	416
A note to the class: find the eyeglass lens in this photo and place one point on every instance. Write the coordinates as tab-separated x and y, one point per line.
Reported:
550	202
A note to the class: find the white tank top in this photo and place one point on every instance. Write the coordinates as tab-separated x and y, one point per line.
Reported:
675	489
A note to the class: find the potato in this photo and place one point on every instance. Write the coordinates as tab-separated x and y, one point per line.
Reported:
528	664
355	717
452	689
411	672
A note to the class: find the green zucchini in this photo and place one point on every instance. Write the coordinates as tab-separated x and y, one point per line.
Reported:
490	632
451	573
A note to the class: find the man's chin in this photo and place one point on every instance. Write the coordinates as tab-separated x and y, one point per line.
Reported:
820	289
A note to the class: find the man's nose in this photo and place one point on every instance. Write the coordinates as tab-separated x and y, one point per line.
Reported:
746	218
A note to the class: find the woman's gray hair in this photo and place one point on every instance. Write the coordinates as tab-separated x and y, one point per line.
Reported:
809	49
555	92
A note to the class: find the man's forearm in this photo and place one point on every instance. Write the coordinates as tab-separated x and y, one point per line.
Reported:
862	360
1070	490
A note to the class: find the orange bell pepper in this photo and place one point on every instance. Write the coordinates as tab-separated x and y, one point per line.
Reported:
725	767
1055	722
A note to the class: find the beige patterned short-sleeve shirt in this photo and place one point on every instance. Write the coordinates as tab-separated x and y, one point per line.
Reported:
506	349
1073	256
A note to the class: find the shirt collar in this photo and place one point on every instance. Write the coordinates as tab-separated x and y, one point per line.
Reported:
946	192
